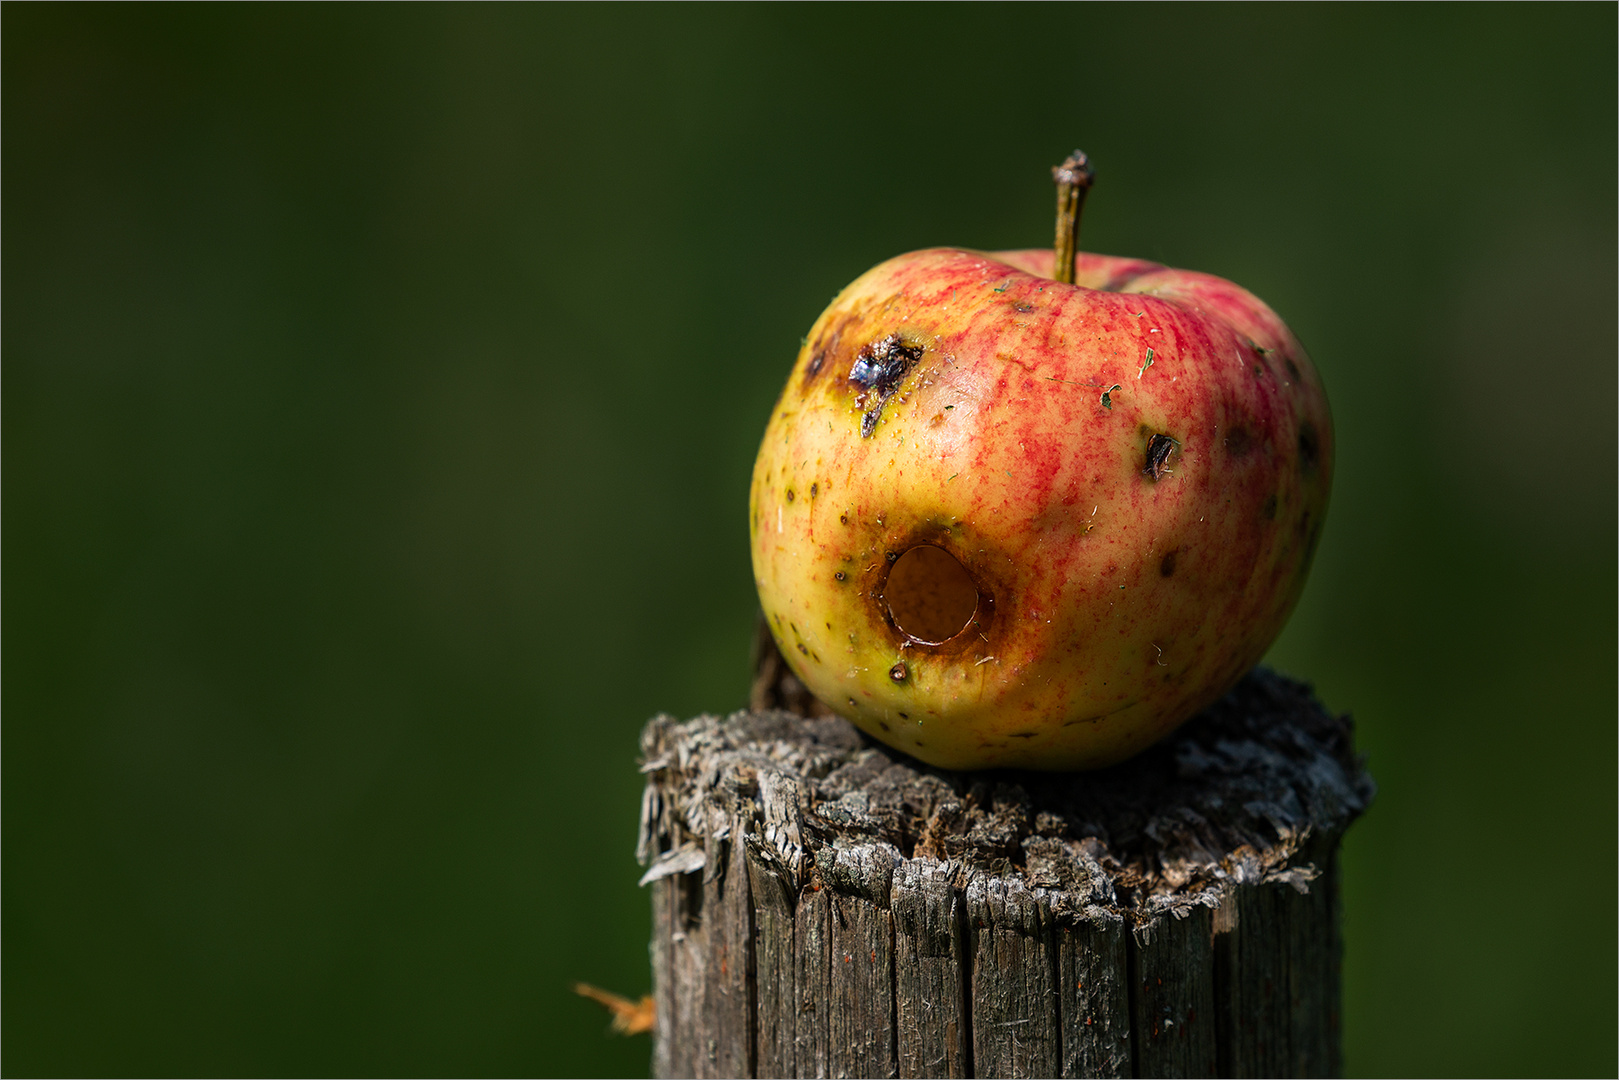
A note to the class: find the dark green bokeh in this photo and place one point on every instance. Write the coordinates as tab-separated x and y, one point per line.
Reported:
381	389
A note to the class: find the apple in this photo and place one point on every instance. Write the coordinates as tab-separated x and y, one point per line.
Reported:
1003	520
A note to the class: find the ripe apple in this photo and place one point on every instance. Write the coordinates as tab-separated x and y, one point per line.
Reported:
1000	520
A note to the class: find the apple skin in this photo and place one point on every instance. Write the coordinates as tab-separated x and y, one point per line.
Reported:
956	398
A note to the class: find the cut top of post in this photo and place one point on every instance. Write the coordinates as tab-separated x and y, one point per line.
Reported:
1244	793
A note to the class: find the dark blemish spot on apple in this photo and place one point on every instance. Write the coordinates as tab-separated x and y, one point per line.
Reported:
1024	734
878	370
1093	719
1292	368
843	519
899	672
1309	447
918	742
790	495
840	575
892	556
881	723
825	348
1269	509
815	489
803	648
1166	566
904	716
1238	442
1159	447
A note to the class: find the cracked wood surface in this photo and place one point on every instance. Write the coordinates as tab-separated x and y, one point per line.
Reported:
825	906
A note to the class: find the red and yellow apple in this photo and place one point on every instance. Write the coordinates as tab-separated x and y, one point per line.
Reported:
1001	521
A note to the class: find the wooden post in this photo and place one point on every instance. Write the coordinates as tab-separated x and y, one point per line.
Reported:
826	906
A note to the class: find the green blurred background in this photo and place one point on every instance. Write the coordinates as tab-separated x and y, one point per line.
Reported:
381	390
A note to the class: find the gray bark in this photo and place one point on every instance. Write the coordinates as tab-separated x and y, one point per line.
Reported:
825	906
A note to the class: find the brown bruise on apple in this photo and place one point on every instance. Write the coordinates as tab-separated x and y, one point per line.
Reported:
997	533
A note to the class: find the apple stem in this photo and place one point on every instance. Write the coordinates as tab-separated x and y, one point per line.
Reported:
1074	178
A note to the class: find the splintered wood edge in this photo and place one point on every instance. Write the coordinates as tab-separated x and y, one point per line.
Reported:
1257	790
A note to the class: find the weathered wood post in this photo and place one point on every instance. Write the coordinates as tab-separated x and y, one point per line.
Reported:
825	906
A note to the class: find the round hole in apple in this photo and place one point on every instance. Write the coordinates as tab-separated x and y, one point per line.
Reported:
930	595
